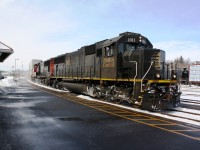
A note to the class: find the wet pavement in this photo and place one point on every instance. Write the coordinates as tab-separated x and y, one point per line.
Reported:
33	119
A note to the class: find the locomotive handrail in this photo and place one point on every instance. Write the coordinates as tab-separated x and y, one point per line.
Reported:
146	74
135	72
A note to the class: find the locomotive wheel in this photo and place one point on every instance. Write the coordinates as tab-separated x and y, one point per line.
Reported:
176	101
91	90
98	95
55	84
156	103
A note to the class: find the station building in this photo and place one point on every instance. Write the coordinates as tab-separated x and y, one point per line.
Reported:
5	51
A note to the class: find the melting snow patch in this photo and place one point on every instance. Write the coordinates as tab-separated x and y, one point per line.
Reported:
47	87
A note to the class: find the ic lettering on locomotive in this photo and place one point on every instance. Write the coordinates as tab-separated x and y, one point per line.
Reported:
108	62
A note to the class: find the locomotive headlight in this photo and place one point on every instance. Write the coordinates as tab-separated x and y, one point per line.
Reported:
174	76
157	75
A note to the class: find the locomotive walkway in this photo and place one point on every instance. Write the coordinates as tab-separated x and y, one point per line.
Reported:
35	118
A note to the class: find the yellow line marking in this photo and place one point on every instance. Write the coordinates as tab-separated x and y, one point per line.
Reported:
185	130
151	125
110	106
132	115
142	119
136	116
119	112
147	124
155	124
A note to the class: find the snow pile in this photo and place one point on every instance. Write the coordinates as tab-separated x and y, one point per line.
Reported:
7	84
48	87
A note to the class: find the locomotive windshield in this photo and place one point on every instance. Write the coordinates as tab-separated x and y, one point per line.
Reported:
130	47
122	47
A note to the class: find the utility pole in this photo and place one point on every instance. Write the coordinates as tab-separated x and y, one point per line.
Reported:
15	65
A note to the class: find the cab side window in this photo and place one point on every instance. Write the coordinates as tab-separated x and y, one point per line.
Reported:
108	51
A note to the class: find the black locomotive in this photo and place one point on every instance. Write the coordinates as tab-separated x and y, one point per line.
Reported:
124	69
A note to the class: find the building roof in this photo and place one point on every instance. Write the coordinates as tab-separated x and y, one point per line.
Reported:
5	51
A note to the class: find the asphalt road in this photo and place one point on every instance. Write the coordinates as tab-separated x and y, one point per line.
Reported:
33	119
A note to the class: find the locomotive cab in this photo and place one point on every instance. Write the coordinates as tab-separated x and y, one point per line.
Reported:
131	56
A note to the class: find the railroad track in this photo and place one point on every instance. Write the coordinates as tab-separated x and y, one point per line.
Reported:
191	94
184	113
190	102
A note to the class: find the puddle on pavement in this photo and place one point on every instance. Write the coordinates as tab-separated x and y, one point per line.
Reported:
70	119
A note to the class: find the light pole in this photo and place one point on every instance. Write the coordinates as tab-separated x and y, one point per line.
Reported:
13	69
22	69
15	65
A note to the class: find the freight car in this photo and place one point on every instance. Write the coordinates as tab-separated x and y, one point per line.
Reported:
122	69
194	74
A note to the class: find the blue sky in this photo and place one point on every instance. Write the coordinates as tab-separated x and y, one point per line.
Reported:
41	29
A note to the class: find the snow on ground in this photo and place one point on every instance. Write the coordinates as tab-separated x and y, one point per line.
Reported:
7	84
48	87
187	92
10	82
